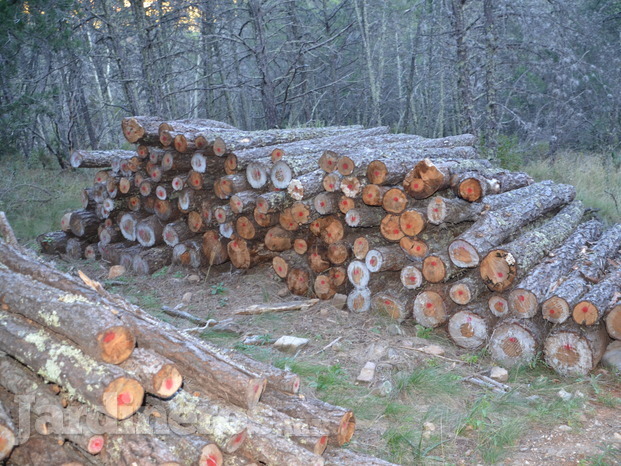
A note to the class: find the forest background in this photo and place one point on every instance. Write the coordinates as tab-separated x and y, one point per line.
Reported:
538	81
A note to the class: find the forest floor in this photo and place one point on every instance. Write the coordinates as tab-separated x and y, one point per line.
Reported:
419	409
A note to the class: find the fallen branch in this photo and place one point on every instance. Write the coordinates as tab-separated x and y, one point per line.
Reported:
187	316
329	345
257	309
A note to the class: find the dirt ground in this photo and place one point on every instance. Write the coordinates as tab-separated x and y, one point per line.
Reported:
347	340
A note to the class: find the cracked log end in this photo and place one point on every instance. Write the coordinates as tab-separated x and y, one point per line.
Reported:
555	310
523	303
468	329
167	381
122	397
498	270
585	313
116	343
470	189
463	254
429	309
460	294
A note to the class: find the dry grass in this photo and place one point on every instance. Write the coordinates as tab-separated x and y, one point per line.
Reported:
597	178
35	198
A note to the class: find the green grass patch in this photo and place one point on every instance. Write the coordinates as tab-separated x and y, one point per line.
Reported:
597	178
35	198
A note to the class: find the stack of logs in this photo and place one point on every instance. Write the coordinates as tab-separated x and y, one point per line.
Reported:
88	378
407	226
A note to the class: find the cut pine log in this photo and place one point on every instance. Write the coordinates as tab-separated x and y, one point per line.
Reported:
600	299
525	298
84	223
158	375
306	186
411	277
214	248
427	177
473	186
151	260
176	232
438	268
575	351
386	258
223	367
339	423
566	295
189	254
364	216
244	202
502	266
149	231
76	247
244	255
8	433
97	158
517	341
46	449
358	274
430	309
105	338
471	327
54	242
466	290
613	322
141	129
390	305
414	248
104	387
489	231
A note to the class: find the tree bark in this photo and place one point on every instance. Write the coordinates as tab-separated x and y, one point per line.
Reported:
504	265
575	351
489	231
525	298
104	387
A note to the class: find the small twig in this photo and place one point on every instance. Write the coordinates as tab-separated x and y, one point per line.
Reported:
281	307
185	315
7	232
209	323
329	345
434	355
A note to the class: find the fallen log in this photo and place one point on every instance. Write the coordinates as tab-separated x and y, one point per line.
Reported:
489	231
158	375
104	338
504	265
8	433
151	260
257	309
104	387
601	298
575	351
525	298
54	242
390	305
97	158
517	341
430	309
427	177
466	290
558	307
471	327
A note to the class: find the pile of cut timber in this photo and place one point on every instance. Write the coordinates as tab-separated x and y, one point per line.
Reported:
67	346
404	225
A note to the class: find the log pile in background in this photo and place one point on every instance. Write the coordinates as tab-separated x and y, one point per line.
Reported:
67	344
404	225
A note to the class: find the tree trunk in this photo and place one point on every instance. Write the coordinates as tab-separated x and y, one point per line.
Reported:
97	158
517	341
575	351
503	265
602	297
525	298
104	387
489	231
471	327
156	374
